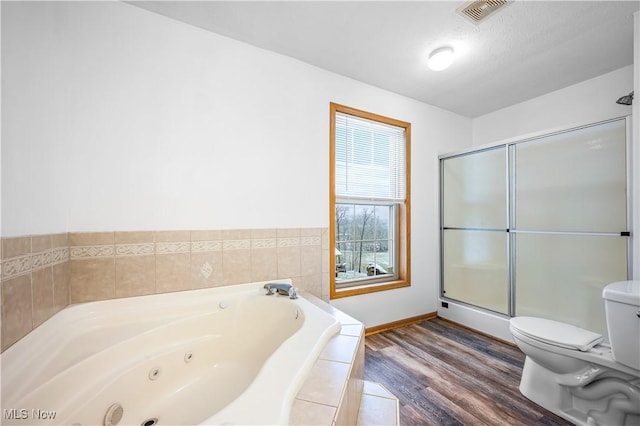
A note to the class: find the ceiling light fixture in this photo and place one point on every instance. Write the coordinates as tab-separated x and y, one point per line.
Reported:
440	58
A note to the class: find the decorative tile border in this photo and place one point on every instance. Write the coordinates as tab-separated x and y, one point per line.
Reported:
310	241
173	247
205	246
16	266
87	252
59	255
40	259
289	242
25	264
143	249
264	243
236	245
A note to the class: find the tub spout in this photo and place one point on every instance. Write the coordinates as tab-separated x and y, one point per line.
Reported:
282	288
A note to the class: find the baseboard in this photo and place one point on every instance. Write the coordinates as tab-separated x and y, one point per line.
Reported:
506	342
400	323
430	316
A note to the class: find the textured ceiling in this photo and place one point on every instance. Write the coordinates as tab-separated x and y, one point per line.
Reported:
524	50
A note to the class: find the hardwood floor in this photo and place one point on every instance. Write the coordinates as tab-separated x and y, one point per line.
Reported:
444	374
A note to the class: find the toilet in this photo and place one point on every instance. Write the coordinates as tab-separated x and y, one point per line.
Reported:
574	373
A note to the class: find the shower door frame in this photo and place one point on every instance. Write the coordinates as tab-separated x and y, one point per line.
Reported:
510	209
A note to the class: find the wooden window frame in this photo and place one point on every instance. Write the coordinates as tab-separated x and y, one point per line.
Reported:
404	211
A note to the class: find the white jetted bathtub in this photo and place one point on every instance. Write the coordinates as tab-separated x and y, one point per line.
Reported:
229	355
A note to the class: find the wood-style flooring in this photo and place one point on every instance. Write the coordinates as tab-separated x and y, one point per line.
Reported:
444	374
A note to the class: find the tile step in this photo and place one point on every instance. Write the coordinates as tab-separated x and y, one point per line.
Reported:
378	406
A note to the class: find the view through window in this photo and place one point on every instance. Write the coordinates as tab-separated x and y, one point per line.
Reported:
364	241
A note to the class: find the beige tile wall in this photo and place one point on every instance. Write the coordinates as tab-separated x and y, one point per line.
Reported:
42	274
35	283
107	265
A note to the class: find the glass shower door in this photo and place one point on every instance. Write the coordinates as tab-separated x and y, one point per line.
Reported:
569	221
538	227
474	221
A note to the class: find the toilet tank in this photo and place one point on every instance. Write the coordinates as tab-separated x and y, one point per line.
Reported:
622	308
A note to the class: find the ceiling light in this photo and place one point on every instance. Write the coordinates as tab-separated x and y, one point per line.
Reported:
440	58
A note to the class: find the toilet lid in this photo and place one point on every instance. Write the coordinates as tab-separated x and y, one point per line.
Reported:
556	333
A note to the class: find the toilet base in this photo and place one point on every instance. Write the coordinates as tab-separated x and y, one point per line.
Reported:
603	402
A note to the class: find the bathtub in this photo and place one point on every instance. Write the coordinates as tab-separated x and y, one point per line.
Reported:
229	355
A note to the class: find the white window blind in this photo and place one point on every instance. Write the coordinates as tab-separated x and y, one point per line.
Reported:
370	159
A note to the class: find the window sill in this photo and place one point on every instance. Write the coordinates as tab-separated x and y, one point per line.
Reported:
367	288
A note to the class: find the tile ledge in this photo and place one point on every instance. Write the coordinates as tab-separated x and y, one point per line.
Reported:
364	413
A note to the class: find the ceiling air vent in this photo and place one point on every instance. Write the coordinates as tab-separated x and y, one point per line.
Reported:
477	11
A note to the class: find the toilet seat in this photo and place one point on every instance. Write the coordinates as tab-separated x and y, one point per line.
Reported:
556	333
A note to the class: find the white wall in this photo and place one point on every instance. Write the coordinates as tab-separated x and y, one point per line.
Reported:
587	102
583	103
115	118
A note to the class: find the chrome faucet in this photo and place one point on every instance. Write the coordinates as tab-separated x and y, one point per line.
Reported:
282	288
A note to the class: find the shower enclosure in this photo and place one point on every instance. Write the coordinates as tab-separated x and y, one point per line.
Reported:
539	226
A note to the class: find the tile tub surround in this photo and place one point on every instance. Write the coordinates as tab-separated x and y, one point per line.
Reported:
35	282
109	265
42	274
333	390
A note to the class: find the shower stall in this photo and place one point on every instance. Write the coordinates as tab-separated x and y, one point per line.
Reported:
538	226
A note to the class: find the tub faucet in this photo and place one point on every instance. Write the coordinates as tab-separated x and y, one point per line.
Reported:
282	288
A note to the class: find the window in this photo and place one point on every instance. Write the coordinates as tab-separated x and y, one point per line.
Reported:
369	186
